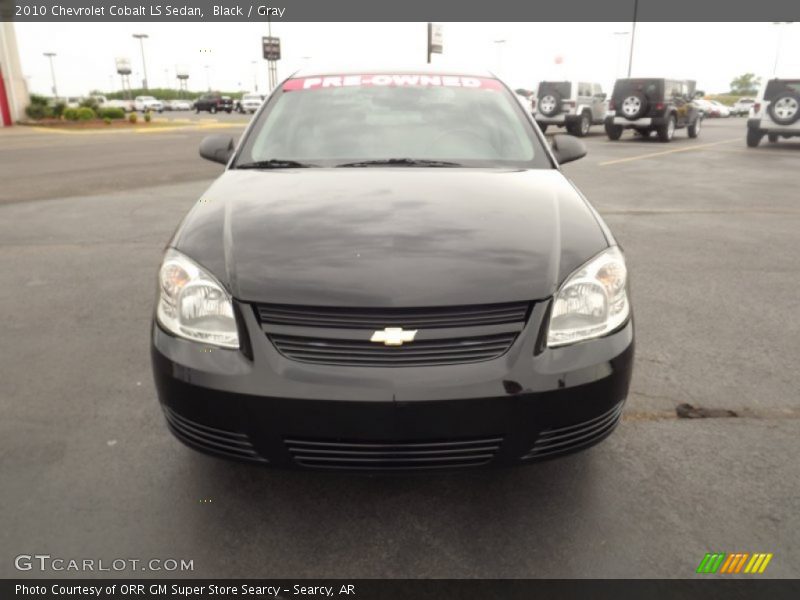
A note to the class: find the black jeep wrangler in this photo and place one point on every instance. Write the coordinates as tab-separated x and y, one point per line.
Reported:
647	105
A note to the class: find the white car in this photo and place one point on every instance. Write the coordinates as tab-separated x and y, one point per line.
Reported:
704	106
576	105
250	103
125	105
147	103
526	102
776	112
178	105
720	110
742	106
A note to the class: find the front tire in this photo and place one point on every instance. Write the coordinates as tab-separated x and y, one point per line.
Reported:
614	132
754	137
667	130
213	110
694	128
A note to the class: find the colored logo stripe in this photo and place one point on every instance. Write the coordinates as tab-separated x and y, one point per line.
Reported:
758	563
721	562
711	563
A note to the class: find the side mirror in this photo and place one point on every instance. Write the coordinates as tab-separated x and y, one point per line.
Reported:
567	148
217	148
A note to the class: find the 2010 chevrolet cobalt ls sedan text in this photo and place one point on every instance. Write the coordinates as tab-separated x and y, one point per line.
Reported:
392	273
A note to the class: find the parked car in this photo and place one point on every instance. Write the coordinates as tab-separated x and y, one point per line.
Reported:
147	103
776	112
99	100
576	105
718	109
647	105
342	297
178	105
73	101
250	103
742	107
704	106
213	102
526	102
126	105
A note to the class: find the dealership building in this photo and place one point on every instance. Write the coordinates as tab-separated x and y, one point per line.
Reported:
13	89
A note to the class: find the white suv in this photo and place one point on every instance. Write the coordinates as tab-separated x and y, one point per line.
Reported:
576	105
776	112
145	103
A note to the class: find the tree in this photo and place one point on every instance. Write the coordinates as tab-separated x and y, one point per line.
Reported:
745	85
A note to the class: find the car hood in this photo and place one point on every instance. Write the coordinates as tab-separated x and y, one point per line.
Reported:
394	236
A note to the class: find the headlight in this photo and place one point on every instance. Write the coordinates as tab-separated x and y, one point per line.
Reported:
193	305
592	302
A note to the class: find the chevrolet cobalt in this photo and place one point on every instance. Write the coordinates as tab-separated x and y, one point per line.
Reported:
392	273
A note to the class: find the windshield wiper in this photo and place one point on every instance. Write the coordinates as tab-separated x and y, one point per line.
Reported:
401	162
274	163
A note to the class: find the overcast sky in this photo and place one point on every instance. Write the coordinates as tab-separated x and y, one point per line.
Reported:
710	53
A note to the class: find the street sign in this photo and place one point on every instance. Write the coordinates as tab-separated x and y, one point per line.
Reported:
435	38
272	48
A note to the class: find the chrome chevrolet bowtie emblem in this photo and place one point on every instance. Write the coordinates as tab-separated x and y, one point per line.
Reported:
393	336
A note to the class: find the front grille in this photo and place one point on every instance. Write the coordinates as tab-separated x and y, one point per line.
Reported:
367	354
217	441
378	318
553	442
446	454
341	336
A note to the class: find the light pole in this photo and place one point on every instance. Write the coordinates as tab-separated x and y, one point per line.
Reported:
141	37
50	55
208	78
255	74
633	36
778	47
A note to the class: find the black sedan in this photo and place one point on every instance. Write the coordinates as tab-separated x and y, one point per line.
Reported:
392	273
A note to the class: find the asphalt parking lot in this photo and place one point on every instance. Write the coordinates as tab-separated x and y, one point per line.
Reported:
89	469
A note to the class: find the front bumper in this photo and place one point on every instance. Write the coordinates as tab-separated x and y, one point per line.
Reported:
520	407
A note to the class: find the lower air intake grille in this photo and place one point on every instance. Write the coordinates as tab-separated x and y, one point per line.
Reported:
217	441
367	354
394	455
552	442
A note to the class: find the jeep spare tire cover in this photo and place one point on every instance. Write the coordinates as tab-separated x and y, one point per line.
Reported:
550	104
633	105
785	108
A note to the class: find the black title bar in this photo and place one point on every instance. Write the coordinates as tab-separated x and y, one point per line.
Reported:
396	589
407	10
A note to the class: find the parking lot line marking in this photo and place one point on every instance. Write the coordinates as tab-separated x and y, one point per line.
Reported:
665	152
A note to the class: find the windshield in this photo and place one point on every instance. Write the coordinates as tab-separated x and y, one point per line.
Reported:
337	120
